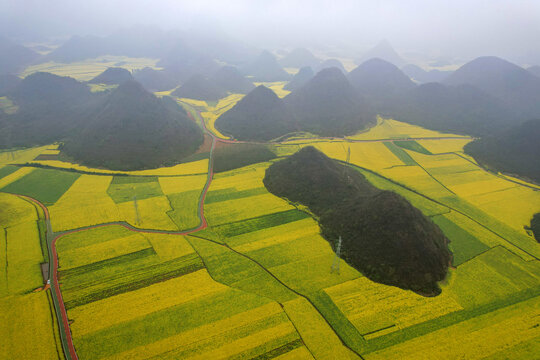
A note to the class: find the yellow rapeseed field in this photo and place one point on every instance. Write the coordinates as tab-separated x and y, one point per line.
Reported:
27	330
21	156
252	341
373	155
23	258
244	208
444	146
152	213
274	235
318	336
178	184
194	167
85	203
207	331
393	129
15	176
476	338
514	206
50	152
193	102
301	353
168	246
521	181
333	149
103	250
211	113
124	307
14	210
88	69
371	306
416	178
276	86
245	178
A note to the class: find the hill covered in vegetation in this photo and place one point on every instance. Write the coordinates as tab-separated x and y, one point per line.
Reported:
266	68
514	86
380	81
8	83
112	76
132	130
299	57
515	151
199	87
462	109
155	80
383	235
422	76
51	107
300	78
328	63
383	50
328	105
230	79
261	115
15	57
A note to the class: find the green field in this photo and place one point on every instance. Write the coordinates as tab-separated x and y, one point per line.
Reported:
126	188
44	185
412	145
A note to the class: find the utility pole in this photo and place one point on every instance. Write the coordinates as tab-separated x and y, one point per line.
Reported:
136	210
335	264
348	160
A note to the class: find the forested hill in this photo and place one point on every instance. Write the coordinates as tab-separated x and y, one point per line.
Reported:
383	235
132	130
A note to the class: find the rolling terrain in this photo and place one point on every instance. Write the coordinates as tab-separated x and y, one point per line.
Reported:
176	226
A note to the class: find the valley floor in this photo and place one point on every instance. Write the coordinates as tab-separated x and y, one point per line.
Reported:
179	262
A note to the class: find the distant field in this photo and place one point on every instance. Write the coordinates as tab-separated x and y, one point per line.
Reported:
90	68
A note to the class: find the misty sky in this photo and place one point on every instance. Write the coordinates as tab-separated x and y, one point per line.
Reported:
460	28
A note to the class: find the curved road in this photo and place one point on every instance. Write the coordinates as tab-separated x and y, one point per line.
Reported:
65	331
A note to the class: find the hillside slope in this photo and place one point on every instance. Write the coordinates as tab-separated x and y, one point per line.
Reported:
112	76
515	151
261	115
132	130
328	105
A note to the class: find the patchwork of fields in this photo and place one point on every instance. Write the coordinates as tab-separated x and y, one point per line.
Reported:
256	282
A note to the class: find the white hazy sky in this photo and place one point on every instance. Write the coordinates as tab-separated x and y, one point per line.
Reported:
464	28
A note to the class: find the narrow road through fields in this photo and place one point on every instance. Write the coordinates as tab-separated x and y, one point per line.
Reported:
60	309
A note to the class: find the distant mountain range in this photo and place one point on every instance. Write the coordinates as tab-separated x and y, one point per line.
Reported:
298	58
15	57
384	51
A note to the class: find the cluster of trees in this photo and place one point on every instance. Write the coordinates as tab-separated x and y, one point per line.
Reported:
383	235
